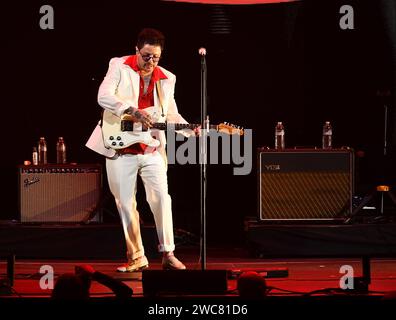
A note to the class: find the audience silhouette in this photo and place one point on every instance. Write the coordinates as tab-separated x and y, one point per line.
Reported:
251	285
76	286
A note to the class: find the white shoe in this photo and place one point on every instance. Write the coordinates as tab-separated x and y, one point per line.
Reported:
172	263
134	265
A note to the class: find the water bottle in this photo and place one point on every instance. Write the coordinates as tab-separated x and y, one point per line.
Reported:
279	136
61	151
35	156
327	135
42	151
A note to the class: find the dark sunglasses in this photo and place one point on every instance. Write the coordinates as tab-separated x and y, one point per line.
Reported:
148	57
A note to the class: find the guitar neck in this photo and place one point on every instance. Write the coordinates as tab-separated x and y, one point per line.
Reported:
179	126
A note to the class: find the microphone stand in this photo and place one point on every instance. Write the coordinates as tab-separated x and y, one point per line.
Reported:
210	281
384	94
203	156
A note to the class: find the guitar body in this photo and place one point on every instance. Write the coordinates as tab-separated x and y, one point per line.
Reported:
115	138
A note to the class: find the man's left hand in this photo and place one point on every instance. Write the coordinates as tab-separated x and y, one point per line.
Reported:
197	131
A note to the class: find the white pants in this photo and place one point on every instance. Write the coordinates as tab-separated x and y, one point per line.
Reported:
122	174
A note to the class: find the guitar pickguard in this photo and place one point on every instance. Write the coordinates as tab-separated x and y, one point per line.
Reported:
117	133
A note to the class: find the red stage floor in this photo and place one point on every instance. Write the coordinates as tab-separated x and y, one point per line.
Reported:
304	275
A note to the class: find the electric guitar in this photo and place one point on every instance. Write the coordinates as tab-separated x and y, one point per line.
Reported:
121	132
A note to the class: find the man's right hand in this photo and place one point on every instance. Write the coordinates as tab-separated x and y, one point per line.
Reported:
140	116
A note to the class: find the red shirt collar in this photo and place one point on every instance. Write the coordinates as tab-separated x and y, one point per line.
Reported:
157	73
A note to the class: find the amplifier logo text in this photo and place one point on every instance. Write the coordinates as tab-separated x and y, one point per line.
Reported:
272	167
27	182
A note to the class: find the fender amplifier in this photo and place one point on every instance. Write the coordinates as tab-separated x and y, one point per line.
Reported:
305	184
59	193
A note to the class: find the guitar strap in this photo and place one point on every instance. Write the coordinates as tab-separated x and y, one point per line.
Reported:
101	118
159	93
162	151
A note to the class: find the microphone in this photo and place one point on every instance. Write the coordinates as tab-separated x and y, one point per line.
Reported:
202	51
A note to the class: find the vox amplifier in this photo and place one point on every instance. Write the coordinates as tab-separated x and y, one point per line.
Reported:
305	185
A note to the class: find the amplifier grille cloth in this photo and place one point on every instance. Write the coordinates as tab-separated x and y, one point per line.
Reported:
305	195
59	197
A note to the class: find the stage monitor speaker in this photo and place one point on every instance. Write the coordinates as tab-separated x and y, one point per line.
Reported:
60	193
168	282
305	184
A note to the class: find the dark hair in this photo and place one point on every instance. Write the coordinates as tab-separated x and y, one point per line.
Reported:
70	287
152	37
251	285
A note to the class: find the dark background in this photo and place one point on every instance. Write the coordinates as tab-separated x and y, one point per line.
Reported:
287	62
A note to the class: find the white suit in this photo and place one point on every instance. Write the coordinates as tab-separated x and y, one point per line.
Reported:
119	91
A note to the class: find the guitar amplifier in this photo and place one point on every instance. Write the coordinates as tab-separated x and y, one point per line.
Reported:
305	184
60	193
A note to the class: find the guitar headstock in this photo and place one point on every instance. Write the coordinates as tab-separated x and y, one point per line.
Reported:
229	128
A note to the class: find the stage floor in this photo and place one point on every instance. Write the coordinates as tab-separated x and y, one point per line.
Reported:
304	275
302	265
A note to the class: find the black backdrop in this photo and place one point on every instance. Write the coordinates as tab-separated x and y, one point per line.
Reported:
287	62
